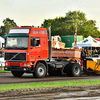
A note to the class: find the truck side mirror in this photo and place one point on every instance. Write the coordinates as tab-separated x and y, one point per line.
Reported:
32	42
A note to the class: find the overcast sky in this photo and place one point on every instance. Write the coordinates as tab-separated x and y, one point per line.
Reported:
33	12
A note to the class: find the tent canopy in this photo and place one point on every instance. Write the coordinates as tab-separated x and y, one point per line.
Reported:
88	42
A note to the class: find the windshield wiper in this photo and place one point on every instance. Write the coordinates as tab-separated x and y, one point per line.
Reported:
23	48
14	47
8	47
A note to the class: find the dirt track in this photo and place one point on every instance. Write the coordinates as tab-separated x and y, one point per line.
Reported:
58	93
7	78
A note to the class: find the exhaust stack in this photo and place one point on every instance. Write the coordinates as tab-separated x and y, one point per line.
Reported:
50	47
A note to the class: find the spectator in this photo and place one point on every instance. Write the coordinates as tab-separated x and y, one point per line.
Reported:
37	43
0	52
99	52
93	53
83	55
88	53
96	52
85	51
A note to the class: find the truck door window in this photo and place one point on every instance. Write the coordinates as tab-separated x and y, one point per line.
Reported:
37	41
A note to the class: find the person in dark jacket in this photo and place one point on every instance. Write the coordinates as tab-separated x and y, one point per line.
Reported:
83	55
37	43
99	52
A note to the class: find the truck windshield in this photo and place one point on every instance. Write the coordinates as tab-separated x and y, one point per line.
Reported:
16	43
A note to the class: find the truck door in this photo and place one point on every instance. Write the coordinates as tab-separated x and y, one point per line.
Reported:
44	48
35	50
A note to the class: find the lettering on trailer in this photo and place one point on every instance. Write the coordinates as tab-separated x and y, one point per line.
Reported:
65	53
70	52
39	32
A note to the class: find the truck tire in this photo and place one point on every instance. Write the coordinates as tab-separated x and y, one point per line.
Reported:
17	73
75	69
40	70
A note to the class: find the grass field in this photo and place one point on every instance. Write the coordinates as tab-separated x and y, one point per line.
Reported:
3	71
48	84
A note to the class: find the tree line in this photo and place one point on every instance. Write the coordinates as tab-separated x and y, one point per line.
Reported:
7	24
62	25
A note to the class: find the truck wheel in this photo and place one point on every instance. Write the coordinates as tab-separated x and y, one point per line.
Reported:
17	73
40	70
75	69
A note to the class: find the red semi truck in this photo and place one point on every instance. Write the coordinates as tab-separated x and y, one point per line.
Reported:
22	55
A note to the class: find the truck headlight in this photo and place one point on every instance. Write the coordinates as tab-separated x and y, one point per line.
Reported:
25	64
6	64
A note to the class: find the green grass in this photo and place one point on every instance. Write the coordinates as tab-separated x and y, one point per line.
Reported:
3	71
48	84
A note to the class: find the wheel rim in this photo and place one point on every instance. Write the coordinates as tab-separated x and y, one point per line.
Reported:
76	70
40	71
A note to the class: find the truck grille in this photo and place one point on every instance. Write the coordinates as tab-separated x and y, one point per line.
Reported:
15	56
14	64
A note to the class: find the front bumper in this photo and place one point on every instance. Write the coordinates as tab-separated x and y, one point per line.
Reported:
13	68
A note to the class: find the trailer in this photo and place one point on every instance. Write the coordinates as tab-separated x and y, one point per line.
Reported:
22	55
